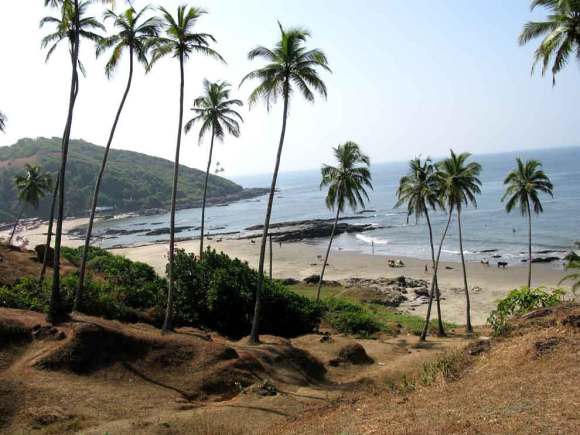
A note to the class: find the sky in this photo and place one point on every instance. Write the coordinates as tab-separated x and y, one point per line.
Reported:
410	77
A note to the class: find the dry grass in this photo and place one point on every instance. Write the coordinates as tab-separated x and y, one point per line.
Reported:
513	388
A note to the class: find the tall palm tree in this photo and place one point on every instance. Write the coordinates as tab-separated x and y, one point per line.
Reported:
346	185
524	184
31	187
419	191
2	122
459	183
180	42
560	32
573	266
134	35
215	111
290	67
70	27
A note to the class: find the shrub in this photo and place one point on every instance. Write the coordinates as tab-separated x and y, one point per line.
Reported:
25	295
350	318
520	301
217	293
447	365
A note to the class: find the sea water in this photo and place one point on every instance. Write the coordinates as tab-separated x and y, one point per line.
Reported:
485	228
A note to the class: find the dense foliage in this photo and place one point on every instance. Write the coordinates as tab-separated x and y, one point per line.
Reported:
350	318
520	301
133	181
217	292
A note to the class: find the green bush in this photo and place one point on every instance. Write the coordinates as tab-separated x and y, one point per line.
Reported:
217	293
25	295
520	301
350	318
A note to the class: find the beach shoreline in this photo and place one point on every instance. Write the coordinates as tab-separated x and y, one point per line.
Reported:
300	259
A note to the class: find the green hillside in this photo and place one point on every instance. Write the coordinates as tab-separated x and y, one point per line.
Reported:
133	181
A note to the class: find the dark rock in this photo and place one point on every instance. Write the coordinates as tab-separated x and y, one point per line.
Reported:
354	354
40	250
312	279
290	281
391	299
537	313
326	338
545	259
545	346
267	389
162	231
479	347
421	291
572	320
487	251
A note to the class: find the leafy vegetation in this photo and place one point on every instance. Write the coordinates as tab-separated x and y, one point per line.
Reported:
520	301
133	182
347	314
217	292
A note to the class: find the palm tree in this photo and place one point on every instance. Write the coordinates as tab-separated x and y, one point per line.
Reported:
459	183
2	122
31	187
524	184
290	67
561	33
419	190
134	35
70	27
180	42
572	264
215	111
346	184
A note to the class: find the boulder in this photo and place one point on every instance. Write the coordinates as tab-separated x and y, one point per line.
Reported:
312	279
290	281
355	354
40	250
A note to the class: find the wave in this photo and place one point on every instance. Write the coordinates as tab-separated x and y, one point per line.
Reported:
370	240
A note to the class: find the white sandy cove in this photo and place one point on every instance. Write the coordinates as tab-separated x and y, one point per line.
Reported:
299	259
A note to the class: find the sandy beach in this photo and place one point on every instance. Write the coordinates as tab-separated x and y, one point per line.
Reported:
301	259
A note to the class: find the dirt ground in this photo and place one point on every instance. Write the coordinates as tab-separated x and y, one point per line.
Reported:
104	376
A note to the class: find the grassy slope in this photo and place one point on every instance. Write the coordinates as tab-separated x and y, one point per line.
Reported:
133	181
390	320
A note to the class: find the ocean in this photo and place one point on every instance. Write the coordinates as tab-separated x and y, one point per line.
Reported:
487	227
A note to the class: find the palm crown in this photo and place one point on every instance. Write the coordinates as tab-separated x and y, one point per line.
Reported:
180	41
561	32
33	185
2	122
419	189
133	34
66	28
524	185
458	180
347	182
290	65
214	109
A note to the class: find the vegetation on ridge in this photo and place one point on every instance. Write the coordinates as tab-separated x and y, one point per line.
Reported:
133	181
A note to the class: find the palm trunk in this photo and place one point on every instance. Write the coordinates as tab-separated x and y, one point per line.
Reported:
52	212
469	328
327	254
205	193
435	292
529	246
168	323
56	313
15	225
48	234
254	337
270	238
81	283
434	280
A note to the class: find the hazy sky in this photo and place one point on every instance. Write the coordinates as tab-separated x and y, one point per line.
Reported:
410	77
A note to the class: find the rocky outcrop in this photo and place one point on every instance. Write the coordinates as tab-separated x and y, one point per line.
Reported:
307	229
390	292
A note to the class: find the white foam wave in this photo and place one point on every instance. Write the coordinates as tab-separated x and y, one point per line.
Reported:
371	240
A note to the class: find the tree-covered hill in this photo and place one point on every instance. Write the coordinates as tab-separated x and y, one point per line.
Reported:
132	182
